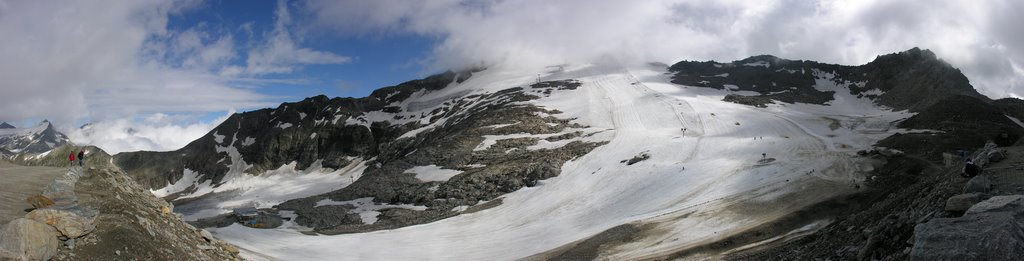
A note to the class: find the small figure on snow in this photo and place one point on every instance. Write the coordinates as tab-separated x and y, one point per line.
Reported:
764	155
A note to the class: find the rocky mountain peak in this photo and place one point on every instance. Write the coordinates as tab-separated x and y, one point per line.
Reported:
5	125
912	55
910	80
915	79
41	138
762	60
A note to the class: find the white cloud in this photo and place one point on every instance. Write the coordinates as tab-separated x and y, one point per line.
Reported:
980	37
65	61
155	132
280	54
117	59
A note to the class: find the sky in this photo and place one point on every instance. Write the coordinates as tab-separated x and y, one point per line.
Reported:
157	74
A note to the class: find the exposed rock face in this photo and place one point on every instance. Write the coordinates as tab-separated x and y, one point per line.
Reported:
1011	203
990	230
978	184
131	226
914	79
773	78
392	131
70	224
977	236
308	131
962	202
26	239
1011	106
961	122
39	201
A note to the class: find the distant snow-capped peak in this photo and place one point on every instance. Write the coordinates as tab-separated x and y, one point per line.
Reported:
37	139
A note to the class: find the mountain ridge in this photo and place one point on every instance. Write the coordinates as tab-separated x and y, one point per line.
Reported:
429	150
909	80
38	139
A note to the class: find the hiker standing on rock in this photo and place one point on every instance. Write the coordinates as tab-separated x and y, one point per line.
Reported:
970	170
71	159
81	157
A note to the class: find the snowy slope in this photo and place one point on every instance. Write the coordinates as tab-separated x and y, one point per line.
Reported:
698	186
37	139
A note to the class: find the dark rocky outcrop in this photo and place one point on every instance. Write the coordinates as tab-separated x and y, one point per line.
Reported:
336	132
960	122
1013	204
502	168
269	138
979	184
986	236
1011	106
910	80
962	202
990	230
915	79
911	202
773	78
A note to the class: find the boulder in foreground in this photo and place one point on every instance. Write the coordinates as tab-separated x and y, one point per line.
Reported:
26	239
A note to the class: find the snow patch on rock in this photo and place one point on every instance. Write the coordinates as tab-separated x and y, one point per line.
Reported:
366	208
430	173
218	138
248	141
189	179
758	63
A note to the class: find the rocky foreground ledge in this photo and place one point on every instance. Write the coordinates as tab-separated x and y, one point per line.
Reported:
101	214
991	226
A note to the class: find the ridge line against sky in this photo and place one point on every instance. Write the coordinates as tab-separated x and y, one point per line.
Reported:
156	74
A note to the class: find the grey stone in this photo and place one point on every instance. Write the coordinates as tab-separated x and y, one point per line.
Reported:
979	184
962	202
68	223
984	236
206	235
1011	203
28	239
7	255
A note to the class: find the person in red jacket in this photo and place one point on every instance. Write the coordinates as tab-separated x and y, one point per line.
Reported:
71	159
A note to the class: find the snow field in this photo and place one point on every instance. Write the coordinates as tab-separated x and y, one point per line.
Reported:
698	186
240	189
